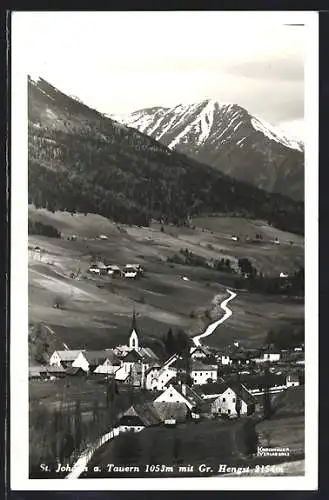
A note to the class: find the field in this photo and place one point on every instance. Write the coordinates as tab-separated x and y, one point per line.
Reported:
286	428
97	311
209	442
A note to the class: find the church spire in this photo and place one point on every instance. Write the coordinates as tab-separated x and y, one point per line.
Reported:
133	340
134	323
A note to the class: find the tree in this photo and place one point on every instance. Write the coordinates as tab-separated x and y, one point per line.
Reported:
245	266
169	343
59	302
238	396
111	394
77	425
267	409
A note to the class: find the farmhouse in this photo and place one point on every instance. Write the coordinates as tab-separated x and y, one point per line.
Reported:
292	380
211	390
257	384
234	395
37	372
64	358
199	352
91	360
110	365
163	377
55	372
179	394
202	373
151	377
114	271
139	416
75	372
270	354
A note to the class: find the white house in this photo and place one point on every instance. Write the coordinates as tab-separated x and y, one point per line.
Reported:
226	403
90	360
198	353
179	394
64	358
225	359
130	274
201	373
271	355
292	380
163	377
110	364
151	377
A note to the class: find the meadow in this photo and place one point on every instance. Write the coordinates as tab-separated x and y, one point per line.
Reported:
97	311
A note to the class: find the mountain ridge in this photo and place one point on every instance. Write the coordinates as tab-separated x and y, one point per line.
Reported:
80	160
227	137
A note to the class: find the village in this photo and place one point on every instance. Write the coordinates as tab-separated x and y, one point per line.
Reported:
201	382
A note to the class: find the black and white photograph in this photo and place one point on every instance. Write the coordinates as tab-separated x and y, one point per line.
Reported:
164	250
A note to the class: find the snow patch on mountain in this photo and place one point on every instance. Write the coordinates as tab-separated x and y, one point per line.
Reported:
275	134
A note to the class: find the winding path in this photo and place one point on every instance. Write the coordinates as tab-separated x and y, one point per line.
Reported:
85	457
212	327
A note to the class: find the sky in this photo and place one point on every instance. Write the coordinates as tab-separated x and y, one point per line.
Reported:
119	62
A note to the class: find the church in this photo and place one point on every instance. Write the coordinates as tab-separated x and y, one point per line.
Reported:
135	359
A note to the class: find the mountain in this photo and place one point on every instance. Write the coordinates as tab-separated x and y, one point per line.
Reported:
82	161
228	138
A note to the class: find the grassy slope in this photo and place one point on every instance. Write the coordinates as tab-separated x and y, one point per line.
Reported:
287	426
100	317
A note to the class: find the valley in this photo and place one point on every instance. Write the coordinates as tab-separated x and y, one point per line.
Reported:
98	310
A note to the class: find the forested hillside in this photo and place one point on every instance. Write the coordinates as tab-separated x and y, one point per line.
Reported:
82	161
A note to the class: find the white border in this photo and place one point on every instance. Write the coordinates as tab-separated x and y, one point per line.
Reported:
19	284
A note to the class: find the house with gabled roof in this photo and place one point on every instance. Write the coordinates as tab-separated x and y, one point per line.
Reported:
201	373
38	372
111	364
90	360
211	390
179	394
64	358
234	396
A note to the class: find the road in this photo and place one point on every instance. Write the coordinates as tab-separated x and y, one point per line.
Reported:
212	327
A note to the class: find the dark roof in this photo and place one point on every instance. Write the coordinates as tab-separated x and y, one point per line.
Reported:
145	412
175	411
130	420
179	364
212	388
242	391
111	356
271	349
132	356
200	366
154	367
95	357
259	381
74	371
55	369
191	396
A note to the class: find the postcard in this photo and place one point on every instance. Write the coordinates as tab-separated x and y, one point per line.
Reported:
164	250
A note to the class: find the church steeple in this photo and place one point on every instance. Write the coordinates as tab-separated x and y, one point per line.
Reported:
133	340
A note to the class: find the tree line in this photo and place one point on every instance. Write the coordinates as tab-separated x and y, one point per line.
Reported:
36	227
100	167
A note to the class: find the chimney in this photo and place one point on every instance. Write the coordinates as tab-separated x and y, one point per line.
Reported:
184	389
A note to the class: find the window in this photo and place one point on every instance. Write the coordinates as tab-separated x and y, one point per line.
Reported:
233	400
223	400
228	411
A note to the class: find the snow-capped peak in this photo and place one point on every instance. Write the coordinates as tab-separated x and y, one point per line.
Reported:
275	134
